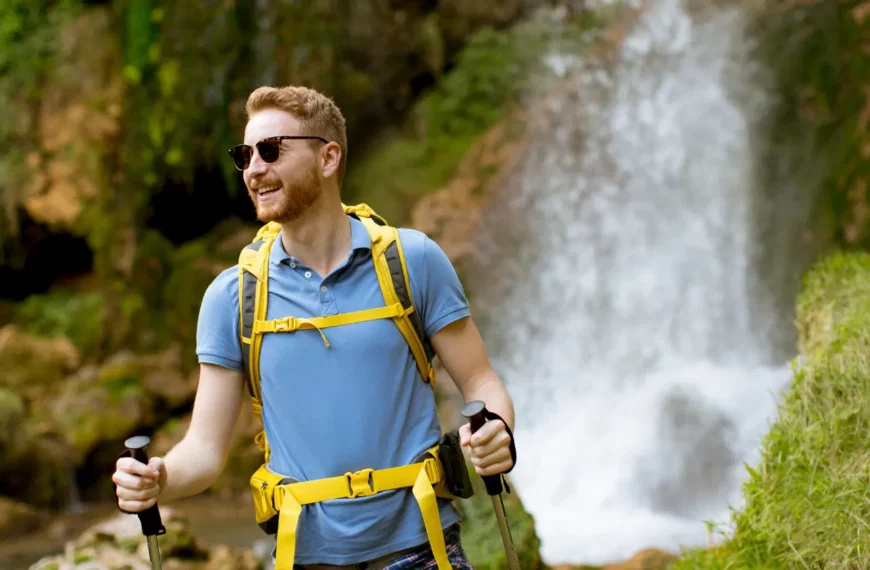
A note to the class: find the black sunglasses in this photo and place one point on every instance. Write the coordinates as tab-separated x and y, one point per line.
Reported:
269	149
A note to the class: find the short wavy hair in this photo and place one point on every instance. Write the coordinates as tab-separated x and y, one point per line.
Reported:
317	114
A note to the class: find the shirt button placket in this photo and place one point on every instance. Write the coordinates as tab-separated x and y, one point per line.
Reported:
327	299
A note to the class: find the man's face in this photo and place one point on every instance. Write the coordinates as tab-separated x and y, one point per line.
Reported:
282	190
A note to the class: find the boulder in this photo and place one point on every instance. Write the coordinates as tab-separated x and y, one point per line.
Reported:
91	409
32	467
117	542
647	559
32	365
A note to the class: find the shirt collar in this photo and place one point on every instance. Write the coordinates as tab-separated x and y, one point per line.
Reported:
359	239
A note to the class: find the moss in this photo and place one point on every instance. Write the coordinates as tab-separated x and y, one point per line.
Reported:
28	30
128	544
807	501
11	414
107	409
64	313
816	53
120	381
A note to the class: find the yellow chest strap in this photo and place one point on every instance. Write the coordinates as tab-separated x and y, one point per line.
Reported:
290	324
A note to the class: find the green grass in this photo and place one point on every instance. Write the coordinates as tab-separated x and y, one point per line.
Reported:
808	502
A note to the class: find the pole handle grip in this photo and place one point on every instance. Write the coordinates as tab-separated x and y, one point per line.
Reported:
475	411
150	520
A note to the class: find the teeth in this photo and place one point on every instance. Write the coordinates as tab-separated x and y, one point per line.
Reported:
267	189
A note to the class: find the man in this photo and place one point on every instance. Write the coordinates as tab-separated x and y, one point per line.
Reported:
354	402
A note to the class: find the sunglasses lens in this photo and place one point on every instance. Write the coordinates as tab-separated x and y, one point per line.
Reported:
268	150
241	155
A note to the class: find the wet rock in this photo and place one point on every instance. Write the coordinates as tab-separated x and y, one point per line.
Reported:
12	415
106	407
31	467
647	559
33	365
117	542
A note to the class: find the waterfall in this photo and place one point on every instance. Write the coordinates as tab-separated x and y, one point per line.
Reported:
640	273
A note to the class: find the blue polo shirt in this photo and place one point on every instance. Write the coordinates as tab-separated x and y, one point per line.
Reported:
360	403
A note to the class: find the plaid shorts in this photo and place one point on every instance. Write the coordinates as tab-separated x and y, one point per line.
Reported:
422	559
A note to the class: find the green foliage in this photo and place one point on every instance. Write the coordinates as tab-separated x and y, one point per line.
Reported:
28	36
491	74
64	313
121	382
808	502
817	52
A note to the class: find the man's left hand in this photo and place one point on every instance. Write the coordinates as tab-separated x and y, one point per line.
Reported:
490	447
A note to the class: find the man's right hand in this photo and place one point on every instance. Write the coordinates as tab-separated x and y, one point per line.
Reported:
137	484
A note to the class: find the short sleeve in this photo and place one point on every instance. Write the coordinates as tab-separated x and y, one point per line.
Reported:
444	299
217	330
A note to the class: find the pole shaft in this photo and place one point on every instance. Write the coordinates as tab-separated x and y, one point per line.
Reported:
505	530
154	552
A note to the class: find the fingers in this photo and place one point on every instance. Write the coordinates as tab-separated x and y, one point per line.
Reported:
465	435
494	463
156	463
137	484
133	467
136	503
490	448
489	438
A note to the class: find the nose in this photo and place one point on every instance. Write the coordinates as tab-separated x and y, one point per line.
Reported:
258	166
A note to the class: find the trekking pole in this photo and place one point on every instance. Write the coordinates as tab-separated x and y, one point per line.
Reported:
152	525
475	412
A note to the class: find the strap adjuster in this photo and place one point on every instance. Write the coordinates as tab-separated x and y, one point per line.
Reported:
285	324
430	465
360	484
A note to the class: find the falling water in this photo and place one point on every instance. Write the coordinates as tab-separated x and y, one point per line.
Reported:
640	275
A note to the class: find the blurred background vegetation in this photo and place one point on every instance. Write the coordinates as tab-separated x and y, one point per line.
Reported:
118	203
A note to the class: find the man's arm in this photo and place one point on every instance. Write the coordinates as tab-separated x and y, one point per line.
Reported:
461	350
195	463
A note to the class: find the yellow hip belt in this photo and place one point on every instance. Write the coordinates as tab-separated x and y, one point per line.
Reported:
271	498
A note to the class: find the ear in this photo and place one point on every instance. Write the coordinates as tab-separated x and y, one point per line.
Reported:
331	158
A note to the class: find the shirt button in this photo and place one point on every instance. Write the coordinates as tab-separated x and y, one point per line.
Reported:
293	264
308	274
324	289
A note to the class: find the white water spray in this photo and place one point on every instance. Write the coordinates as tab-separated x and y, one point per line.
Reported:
631	305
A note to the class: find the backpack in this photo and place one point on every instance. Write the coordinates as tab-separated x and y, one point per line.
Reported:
278	501
389	261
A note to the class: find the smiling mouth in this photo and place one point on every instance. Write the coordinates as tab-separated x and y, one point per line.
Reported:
265	190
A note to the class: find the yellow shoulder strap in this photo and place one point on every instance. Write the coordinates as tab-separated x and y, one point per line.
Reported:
253	302
389	260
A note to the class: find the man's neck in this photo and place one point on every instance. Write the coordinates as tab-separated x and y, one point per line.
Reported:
320	238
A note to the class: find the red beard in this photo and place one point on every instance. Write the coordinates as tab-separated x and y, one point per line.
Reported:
291	201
